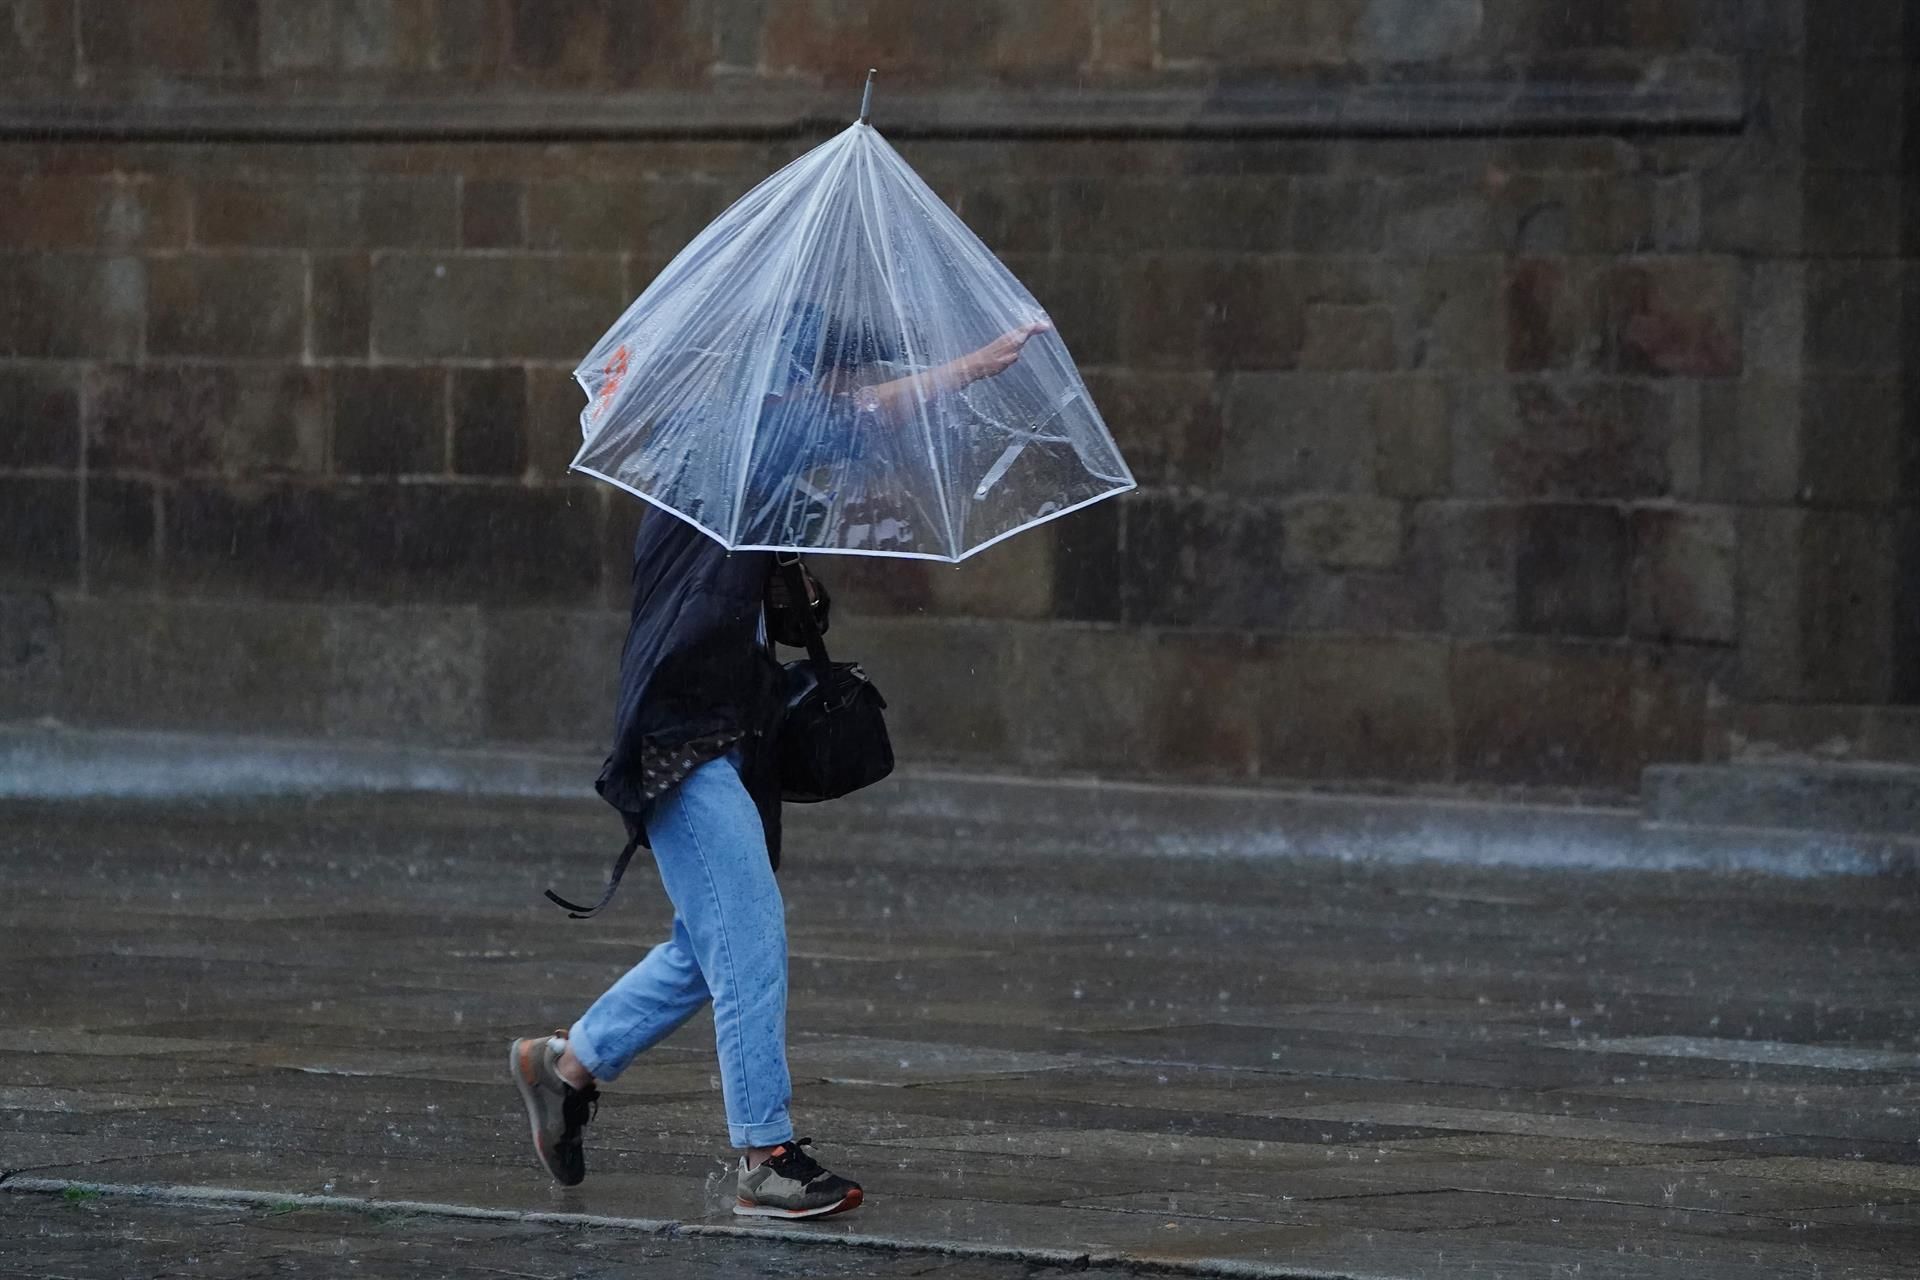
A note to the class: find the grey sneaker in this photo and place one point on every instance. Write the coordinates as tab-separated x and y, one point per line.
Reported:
791	1184
557	1110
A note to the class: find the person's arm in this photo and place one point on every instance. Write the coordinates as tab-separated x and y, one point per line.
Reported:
896	399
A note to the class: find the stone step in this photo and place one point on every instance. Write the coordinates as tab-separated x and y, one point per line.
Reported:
1788	795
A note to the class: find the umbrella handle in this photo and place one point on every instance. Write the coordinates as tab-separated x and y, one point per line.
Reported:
866	99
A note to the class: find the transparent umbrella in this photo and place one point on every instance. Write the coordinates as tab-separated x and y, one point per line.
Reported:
837	364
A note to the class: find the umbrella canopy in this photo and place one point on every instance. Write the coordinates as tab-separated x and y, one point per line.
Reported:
838	364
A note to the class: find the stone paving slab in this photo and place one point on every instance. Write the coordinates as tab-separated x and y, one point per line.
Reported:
1219	1065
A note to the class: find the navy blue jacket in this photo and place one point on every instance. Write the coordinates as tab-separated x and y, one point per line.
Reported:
694	680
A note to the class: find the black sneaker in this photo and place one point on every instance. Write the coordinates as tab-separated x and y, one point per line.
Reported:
791	1184
557	1110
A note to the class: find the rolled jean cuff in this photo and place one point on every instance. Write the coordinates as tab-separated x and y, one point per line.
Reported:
588	1053
770	1134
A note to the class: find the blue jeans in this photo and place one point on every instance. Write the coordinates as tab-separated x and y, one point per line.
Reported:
729	945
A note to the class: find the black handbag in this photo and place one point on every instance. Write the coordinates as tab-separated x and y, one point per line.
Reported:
833	739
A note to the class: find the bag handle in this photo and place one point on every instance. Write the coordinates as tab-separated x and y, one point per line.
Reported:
578	912
798	597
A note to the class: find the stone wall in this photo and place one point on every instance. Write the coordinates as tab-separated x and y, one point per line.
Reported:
1521	391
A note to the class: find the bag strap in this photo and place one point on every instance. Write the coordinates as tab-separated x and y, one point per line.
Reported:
799	598
577	912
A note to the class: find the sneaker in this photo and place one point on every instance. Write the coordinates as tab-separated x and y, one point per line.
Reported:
556	1109
791	1184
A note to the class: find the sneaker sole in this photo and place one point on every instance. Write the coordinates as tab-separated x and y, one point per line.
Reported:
525	1090
850	1201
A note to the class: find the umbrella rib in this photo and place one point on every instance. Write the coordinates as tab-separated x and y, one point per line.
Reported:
926	426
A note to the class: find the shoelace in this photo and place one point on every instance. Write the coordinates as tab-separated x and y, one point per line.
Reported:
796	1164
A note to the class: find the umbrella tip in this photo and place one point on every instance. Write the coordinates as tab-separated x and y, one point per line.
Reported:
866	99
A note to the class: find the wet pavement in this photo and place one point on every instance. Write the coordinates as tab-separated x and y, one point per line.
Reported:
1287	1067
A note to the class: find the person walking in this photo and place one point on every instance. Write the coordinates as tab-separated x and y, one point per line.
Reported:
696	779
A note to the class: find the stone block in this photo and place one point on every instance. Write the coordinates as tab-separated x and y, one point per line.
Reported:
1205	706
29	656
1355	707
39	531
1751	439
202	38
1246	34
1555	315
1853	214
39	416
90	212
175	420
1450	315
868	586
493	215
551	676
1853	318
1560	439
333	213
1168	425
1184	214
72	306
1298	433
836	43
472	307
1197	562
554	402
1194	312
122	533
1044	42
1340	337
1849	606
1444	214
1338	213
654	217
297	35
1088	564
1081	699
471	39
228	665
945	682
1678	214
1336	532
1855	111
561	41
1856	436
1775	330
1771	730
1571	572
1079	293
378	543
410	674
1413	451
1674	317
389	421
1469	554
233	306
1124	38
489	415
1771	660
1752	210
1013	216
1571	714
1685	569
1401	600
36	40
1418	30
340	309
668	44
1012	579
386	35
